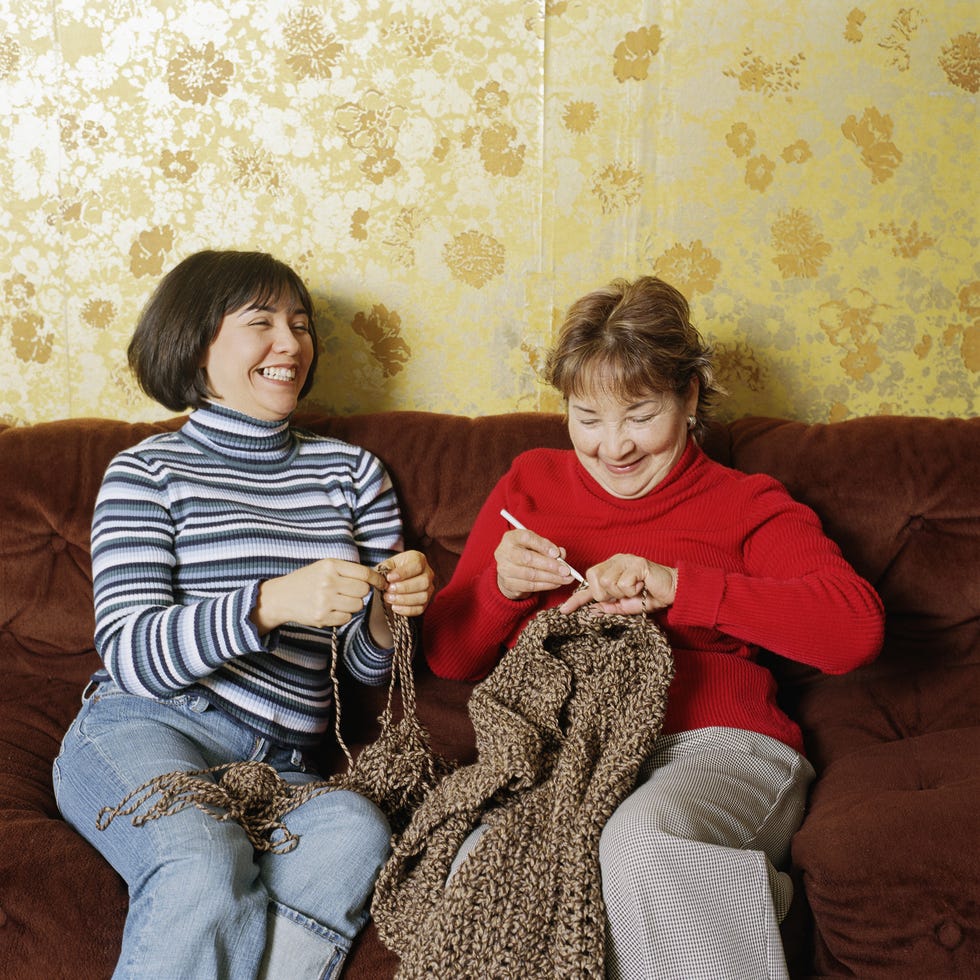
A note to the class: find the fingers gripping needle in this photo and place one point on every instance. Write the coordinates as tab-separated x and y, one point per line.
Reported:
511	519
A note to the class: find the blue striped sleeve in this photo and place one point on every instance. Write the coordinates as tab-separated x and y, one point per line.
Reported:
150	644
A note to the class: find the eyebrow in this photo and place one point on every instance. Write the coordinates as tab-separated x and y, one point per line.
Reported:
267	308
629	408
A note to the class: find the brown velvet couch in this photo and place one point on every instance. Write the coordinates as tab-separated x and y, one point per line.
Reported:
888	857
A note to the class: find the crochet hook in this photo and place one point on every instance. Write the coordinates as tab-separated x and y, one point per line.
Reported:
511	519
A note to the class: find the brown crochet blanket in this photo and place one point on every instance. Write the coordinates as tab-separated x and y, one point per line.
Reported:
562	726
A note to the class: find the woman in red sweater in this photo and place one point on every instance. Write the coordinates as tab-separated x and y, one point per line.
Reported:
728	563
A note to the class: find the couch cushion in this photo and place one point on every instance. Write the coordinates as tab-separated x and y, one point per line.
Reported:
889	858
900	498
50	475
53	884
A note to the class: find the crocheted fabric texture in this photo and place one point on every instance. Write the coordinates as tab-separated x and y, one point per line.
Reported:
562	726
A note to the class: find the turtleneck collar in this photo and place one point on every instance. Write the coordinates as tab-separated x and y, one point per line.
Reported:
675	478
234	435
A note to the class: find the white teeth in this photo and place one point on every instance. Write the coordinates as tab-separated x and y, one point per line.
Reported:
279	374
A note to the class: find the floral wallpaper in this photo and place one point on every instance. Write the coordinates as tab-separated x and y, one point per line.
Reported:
449	176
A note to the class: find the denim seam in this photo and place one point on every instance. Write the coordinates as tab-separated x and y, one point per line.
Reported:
312	925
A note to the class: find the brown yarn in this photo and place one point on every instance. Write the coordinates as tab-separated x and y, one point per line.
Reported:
252	793
394	772
563	724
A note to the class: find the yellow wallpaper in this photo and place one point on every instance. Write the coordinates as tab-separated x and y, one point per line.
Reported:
448	176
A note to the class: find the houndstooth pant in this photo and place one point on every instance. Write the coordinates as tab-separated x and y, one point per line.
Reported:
689	859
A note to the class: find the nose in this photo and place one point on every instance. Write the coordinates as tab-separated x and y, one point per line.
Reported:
616	444
285	340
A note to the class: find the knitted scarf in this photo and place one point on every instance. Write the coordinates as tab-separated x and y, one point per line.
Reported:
562	726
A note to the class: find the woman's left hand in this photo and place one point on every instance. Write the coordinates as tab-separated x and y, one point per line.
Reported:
411	583
626	584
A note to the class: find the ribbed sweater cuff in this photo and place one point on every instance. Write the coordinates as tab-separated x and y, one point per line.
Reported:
699	594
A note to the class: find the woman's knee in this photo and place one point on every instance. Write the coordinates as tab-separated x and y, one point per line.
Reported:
343	841
344	821
664	840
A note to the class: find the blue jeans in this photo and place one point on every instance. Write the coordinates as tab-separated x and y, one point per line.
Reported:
202	902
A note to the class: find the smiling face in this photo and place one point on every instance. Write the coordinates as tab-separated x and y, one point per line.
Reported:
628	445
259	359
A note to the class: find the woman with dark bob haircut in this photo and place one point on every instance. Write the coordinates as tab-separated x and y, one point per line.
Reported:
182	319
225	557
693	860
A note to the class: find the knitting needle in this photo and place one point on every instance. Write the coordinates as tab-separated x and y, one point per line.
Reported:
511	519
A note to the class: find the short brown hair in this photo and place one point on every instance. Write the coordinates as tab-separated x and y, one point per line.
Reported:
182	318
640	336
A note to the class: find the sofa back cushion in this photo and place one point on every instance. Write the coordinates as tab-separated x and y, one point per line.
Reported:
49	477
900	496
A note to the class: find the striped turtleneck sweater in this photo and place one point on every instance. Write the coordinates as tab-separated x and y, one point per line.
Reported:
188	524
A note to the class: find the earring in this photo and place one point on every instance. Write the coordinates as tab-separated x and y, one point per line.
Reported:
692	420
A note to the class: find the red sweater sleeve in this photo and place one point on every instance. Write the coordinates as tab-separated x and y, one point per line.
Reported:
468	622
795	595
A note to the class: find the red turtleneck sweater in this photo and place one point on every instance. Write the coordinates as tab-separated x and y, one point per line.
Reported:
754	570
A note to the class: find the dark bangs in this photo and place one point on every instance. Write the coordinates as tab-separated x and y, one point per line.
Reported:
259	279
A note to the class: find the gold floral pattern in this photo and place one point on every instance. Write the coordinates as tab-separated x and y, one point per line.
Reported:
68	130
633	54
798	152
474	258
960	60
463	172
402	235
872	135
257	170
500	150
617	186
691	268
852	30
197	74
372	125
148	253
758	172
969	300
98	313
741	139
905	24
358	224
313	50
580	116
178	166
855	324
421	38
909	242
381	328
739	366
18	290
800	249
755	74
9	55
30	338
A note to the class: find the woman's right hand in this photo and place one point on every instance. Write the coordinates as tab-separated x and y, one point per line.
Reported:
329	592
528	563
